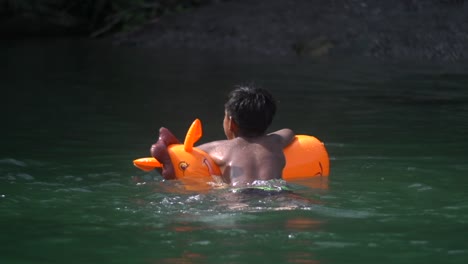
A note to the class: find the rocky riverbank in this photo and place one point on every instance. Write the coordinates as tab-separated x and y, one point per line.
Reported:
435	30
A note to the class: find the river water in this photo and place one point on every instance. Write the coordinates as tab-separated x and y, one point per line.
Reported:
75	114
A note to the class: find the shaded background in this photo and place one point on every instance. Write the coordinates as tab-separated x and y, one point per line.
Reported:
402	29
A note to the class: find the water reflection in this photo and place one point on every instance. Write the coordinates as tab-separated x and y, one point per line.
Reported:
244	239
241	224
302	223
187	257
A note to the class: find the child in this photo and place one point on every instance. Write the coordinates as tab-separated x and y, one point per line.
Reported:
249	154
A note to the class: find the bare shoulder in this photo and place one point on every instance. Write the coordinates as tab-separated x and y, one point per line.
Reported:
218	150
212	146
285	136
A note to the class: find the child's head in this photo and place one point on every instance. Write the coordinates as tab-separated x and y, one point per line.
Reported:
251	109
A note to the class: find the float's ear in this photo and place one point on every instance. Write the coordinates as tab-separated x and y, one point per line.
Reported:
193	135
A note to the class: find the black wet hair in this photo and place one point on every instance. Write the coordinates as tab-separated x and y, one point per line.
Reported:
252	109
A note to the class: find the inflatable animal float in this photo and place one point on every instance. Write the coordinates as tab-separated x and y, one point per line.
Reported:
306	158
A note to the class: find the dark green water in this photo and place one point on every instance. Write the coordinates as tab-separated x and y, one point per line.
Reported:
75	114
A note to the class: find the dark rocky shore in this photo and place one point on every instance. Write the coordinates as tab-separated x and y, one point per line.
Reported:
435	30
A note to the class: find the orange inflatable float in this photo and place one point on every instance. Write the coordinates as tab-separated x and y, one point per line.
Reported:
306	157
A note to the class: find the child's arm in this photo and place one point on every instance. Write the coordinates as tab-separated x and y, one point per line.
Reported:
286	136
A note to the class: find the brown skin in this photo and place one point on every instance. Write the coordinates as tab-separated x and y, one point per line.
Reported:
243	160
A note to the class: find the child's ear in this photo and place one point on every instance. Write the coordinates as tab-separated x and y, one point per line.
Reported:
233	126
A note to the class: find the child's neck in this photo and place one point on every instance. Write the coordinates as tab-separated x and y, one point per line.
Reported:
247	136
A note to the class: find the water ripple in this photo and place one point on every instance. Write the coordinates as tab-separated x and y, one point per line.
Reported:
342	213
420	187
74	190
330	244
10	161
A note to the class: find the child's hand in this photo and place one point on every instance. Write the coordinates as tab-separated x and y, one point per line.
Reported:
159	152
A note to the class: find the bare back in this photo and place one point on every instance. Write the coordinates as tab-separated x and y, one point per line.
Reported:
244	160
